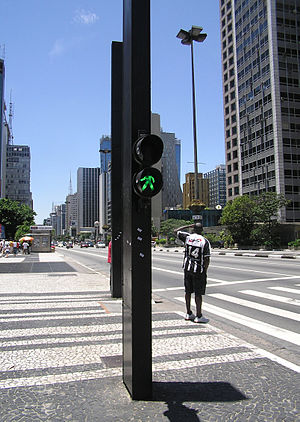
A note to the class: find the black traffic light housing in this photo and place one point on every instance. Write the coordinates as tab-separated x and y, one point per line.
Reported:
147	181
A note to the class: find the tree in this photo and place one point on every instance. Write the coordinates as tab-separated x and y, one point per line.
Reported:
167	227
13	214
267	206
238	217
21	231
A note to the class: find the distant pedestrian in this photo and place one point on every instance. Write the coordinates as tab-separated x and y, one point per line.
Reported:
25	247
15	248
195	264
109	260
6	249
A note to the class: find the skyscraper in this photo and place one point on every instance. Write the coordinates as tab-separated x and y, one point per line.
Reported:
17	178
171	193
260	66
217	186
87	197
2	135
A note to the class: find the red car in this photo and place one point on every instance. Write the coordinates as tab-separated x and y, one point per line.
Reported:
84	245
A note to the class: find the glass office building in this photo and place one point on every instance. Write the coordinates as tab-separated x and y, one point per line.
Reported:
261	92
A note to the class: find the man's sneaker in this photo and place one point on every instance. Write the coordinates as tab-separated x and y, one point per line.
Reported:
189	317
201	319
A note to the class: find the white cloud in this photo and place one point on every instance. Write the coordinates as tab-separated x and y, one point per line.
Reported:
57	49
85	17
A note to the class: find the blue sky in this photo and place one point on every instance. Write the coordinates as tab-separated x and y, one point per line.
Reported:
58	64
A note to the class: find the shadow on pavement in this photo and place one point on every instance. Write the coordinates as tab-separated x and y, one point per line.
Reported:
176	393
36	267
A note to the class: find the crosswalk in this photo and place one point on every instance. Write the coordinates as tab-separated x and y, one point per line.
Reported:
224	305
51	339
79	340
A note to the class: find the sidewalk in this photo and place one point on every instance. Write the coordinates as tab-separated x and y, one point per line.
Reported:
284	253
61	357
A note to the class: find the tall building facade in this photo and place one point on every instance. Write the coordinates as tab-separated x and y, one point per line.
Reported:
261	91
105	153
71	214
17	178
2	129
217	186
171	193
88	198
189	190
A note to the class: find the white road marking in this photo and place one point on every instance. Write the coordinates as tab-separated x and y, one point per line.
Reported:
282	299
286	289
280	333
258	306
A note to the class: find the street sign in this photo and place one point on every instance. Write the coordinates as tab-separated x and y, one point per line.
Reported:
197	217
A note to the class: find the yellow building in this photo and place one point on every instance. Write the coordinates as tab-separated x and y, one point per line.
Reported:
189	190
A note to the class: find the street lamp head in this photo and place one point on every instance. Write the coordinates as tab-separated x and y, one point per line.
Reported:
194	34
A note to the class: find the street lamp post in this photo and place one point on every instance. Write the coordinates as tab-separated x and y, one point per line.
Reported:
187	38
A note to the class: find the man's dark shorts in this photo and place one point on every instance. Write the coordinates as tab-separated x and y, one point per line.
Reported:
195	284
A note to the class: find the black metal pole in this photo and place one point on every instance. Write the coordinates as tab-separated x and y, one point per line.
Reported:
137	338
194	125
116	168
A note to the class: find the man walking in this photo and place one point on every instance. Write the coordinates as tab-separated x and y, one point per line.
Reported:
195	265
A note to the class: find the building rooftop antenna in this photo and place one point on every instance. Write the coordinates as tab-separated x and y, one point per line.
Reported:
70	186
10	117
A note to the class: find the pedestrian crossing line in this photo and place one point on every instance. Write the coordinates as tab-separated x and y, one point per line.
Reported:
280	333
207	360
93	338
25	298
84	329
60	378
248	270
258	306
48	305
117	372
84	300
262	352
59	356
286	289
164	270
254	280
84	314
282	299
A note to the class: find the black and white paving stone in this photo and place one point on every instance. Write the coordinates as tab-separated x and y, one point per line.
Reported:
61	360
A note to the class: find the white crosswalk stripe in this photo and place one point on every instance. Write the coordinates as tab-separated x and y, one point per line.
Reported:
280	333
286	289
277	298
258	306
65	353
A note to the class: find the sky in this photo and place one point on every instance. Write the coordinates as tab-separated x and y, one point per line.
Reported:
58	70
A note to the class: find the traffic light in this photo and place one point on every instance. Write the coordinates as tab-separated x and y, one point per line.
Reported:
147	150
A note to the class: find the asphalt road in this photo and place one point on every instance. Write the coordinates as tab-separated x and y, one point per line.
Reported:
255	298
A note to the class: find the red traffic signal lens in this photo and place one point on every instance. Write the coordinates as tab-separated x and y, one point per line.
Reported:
148	149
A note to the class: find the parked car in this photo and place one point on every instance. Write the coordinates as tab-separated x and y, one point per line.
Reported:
100	245
84	245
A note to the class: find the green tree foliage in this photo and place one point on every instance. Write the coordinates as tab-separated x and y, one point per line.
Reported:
249	220
238	217
13	214
267	206
167	227
21	231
